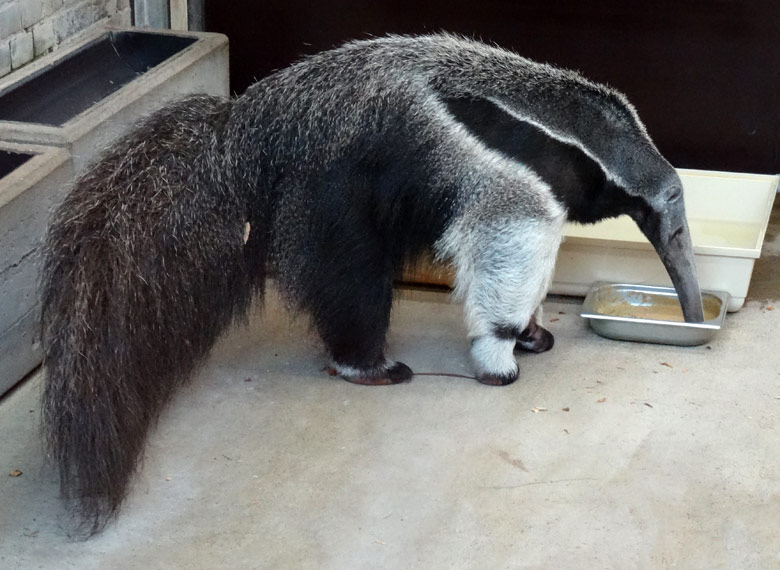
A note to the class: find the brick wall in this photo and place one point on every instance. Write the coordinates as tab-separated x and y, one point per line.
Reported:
30	28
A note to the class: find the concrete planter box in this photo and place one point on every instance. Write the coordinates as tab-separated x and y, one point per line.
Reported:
83	96
32	180
56	115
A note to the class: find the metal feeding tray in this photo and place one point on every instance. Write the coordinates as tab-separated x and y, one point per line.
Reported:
650	314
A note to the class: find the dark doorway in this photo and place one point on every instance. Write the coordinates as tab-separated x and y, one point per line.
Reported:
704	74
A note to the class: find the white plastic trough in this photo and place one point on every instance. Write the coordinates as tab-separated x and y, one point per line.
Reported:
32	180
728	215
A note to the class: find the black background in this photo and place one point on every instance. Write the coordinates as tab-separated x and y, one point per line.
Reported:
703	74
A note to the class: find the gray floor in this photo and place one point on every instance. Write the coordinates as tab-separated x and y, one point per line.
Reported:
604	455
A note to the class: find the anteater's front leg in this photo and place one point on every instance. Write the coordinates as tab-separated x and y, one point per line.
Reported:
504	282
535	338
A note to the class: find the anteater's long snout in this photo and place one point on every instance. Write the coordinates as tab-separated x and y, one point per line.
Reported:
666	226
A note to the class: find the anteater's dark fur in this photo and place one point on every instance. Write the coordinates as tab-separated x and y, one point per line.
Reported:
145	267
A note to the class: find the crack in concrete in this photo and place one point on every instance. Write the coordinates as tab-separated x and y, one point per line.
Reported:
18	263
499	487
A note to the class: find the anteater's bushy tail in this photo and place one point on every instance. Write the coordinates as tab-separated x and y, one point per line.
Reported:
146	265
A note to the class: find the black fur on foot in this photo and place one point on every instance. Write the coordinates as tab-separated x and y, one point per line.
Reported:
497	379
384	375
535	338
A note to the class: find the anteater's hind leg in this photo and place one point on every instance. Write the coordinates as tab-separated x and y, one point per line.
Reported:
346	284
352	318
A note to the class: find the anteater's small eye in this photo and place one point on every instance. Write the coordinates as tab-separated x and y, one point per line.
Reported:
675	194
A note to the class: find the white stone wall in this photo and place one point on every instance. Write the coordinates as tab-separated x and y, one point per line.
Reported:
30	28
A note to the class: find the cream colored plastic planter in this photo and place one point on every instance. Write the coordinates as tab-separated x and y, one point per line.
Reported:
728	215
32	180
83	96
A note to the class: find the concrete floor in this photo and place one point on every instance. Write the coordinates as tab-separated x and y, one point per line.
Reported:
603	455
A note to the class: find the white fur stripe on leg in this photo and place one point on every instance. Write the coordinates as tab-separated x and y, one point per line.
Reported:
495	356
